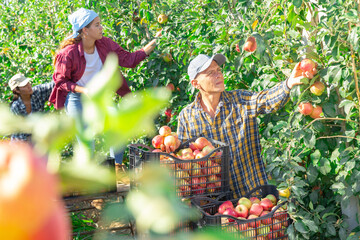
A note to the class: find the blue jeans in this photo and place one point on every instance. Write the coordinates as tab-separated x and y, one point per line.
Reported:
73	108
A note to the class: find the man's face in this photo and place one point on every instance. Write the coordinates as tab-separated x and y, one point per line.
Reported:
210	80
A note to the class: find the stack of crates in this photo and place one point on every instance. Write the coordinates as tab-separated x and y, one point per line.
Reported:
270	226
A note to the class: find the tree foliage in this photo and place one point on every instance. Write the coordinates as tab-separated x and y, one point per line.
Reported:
318	159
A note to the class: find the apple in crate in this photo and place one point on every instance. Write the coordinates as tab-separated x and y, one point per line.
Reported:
265	220
165	131
245	201
254	223
242	211
231	212
254	200
256	209
157	141
266	204
225	205
272	198
201	142
214	168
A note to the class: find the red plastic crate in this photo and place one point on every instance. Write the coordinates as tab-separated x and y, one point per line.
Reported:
270	226
204	176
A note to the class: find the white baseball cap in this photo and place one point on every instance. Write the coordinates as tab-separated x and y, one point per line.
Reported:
18	80
202	62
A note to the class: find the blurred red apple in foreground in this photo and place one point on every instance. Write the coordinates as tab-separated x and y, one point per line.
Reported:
28	196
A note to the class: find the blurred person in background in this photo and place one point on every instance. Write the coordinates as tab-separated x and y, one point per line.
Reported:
81	56
27	100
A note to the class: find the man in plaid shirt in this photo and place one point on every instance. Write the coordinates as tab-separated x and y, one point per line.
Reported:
27	100
230	117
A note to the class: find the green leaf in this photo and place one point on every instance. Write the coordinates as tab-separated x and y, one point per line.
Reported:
353	38
309	138
315	156
312	173
280	125
311	225
331	229
300	226
339	187
324	166
329	109
348	105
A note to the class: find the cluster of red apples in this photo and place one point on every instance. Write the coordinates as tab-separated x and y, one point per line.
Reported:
317	88
193	177
269	227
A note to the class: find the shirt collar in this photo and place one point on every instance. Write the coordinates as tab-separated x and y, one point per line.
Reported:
81	49
223	99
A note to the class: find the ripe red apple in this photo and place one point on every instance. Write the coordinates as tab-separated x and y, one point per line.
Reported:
266	204
317	88
201	142
157	141
182	174
193	147
242	211
254	200
231	212
202	182
245	201
170	86
237	48
272	198
280	214
307	65
263	230
255	223
170	142
184	151
199	155
196	152
305	108
225	205
256	209
316	112
195	169
56	226
250	44
214	168
165	131
276	225
207	149
211	187
29	197
265	220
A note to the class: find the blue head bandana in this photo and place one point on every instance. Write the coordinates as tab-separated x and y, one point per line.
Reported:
80	19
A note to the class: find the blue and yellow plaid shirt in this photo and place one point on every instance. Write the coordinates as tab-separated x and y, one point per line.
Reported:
235	124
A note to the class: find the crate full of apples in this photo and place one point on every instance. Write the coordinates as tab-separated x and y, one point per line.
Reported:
200	166
258	215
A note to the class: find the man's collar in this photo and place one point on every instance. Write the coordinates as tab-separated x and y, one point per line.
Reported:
223	99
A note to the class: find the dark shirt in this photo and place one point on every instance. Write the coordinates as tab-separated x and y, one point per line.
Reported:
40	95
70	66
